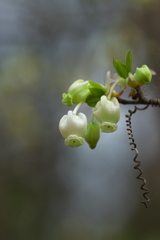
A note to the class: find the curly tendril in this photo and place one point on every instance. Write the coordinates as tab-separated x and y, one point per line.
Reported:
138	163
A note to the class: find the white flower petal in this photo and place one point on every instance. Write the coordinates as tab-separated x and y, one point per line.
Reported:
107	110
72	124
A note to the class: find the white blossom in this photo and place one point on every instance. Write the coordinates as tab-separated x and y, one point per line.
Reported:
73	128
107	112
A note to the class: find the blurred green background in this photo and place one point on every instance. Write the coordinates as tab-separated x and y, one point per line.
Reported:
52	192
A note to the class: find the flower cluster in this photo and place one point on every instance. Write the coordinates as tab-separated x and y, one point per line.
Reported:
103	99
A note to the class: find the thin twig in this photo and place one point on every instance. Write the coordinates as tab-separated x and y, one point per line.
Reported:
141	99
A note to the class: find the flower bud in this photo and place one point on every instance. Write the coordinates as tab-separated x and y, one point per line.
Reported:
79	91
107	112
143	75
93	134
73	128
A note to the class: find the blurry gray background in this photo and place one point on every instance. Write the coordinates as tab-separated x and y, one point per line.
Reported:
48	190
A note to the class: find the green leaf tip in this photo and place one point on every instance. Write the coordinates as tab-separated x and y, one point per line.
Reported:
120	68
129	61
124	69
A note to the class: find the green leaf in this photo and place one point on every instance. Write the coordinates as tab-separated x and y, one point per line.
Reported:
129	61
94	97
120	68
97	86
96	92
91	100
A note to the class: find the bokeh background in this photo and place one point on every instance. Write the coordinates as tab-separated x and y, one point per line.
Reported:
49	191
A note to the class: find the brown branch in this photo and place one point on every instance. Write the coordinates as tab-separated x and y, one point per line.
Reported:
140	99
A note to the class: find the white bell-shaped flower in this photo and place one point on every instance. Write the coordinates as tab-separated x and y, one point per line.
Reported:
73	128
107	112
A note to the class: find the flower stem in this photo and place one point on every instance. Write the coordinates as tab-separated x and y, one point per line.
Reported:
92	118
76	108
112	87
